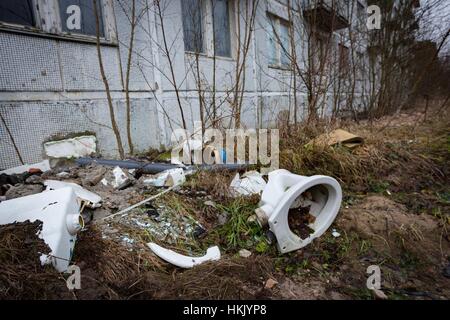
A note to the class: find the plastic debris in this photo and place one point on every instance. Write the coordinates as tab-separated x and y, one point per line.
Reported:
251	183
179	260
338	136
59	212
91	199
71	148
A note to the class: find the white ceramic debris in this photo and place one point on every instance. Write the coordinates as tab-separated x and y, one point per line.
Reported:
59	212
179	260
251	183
71	148
285	191
168	178
120	179
92	200
43	166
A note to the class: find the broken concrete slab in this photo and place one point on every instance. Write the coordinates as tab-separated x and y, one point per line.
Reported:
77	147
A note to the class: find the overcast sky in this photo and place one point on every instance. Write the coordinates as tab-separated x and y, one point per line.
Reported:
437	21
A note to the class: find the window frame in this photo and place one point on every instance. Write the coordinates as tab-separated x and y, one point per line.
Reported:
278	22
203	29
49	24
344	60
208	31
15	26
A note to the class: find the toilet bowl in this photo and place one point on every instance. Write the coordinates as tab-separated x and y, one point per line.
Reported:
320	195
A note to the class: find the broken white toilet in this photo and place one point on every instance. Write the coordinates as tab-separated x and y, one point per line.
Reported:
286	191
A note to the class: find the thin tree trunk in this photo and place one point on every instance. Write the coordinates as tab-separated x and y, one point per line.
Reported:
12	139
127	81
105	82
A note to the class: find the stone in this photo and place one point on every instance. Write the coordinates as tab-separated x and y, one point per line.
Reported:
34	179
379	294
23	190
244	253
270	283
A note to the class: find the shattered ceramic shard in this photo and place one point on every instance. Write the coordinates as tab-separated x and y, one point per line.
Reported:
251	183
91	199
71	148
179	260
59	212
168	178
42	166
335	234
118	179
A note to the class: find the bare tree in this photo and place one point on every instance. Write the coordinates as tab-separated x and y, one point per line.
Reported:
106	84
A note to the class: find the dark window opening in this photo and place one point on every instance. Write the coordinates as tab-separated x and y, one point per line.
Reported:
17	12
221	18
192	25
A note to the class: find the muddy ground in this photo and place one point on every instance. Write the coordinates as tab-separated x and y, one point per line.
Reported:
395	215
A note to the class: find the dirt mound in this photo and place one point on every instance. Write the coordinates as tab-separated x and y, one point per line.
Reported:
411	249
21	273
387	222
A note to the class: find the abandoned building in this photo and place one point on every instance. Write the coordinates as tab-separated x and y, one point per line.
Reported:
51	85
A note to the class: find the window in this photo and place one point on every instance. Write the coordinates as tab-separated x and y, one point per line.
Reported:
19	12
320	52
193	25
360	12
221	21
71	19
343	59
278	41
78	16
361	74
206	26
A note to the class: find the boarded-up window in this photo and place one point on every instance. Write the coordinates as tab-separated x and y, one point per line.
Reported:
193	25
78	16
221	19
17	12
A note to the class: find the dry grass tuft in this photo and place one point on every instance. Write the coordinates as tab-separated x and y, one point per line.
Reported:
396	150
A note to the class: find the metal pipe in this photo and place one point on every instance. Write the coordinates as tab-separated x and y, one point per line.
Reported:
154	168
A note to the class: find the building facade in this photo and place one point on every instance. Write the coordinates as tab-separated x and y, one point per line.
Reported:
194	54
